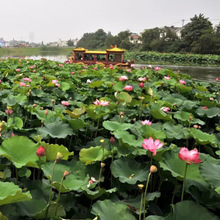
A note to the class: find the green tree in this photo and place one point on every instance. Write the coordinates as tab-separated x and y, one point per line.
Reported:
70	43
192	31
148	37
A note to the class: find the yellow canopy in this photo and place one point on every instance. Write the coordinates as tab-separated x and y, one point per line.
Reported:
116	49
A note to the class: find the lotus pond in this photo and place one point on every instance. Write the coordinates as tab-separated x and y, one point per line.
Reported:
88	142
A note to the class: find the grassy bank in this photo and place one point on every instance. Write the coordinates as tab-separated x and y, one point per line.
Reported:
24	51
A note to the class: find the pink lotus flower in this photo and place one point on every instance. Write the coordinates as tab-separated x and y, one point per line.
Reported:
61	64
102	103
146	122
72	73
217	79
123	78
128	88
0	81
46	112
17	70
204	107
95	68
165	109
142	79
34	71
128	70
157	68
22	84
8	111
111	66
183	82
190	157
151	145
40	151
27	79
65	103
54	81
91	181
167	77
58	85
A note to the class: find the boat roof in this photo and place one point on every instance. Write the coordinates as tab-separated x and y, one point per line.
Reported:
115	49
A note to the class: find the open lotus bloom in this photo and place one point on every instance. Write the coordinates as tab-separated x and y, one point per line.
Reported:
190	157
123	78
151	145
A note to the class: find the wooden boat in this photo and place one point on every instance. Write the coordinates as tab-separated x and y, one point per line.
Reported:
113	56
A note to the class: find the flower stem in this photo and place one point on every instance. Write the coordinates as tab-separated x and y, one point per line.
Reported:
141	206
58	197
184	181
145	192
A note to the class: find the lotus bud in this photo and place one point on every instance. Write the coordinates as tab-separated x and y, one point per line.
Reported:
102	141
140	186
195	126
112	140
40	151
153	169
46	112
141	85
59	156
66	173
190	118
102	165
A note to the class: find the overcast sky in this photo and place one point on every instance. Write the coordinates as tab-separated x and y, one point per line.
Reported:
50	20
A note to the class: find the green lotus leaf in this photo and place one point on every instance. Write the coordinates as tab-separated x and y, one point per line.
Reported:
95	84
37	92
114	126
57	129
108	210
210	112
2	217
99	192
128	138
65	86
175	131
185	117
187	104
184	89
77	178
157	113
202	137
77	124
76	113
93	154
51	211
11	193
210	172
52	150
118	86
171	162
173	100
20	150
190	210
42	116
149	131
15	123
13	100
123	97
129	171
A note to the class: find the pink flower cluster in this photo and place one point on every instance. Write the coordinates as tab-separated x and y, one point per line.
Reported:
65	103
146	122
102	102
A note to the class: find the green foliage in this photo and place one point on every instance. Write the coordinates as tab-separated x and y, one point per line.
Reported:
110	167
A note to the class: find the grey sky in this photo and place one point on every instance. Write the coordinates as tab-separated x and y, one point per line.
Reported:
50	20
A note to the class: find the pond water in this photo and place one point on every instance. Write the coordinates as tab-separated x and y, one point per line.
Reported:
202	73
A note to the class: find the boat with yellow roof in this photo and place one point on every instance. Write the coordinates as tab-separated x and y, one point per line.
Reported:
113	56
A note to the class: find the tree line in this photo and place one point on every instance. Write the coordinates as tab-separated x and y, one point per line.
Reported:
197	36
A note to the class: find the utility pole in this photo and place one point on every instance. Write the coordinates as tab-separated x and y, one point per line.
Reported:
183	22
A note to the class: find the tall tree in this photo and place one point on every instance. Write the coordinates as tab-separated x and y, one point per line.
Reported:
192	31
148	37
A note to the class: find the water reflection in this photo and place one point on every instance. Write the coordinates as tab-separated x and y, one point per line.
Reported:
202	73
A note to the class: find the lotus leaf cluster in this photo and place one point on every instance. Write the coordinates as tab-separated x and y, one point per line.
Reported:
72	137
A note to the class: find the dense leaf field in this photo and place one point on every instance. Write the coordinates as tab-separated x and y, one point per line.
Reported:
206	59
89	142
